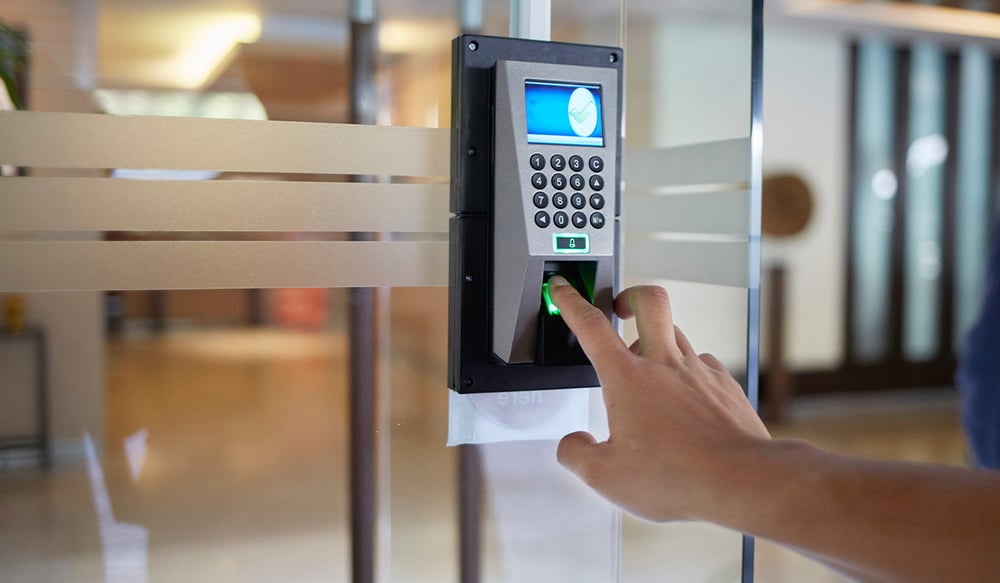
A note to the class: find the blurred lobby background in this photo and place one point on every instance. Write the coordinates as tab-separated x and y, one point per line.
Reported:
204	435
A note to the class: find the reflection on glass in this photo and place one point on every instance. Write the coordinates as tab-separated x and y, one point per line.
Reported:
973	190
873	192
925	199
125	546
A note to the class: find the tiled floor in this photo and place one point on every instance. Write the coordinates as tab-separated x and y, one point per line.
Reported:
243	476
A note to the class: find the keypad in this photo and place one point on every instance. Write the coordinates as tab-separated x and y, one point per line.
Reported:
583	198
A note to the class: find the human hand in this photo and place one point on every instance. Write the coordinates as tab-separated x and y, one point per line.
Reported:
680	424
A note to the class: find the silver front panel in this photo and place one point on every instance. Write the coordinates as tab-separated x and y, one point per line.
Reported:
521	247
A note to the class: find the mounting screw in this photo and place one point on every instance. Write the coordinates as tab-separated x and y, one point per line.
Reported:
473	45
613	57
468	279
467	382
472	151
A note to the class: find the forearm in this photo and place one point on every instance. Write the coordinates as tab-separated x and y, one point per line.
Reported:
873	520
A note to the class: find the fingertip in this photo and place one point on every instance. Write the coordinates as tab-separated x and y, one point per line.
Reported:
558	281
559	285
623	308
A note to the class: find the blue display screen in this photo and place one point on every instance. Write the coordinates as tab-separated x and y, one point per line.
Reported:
565	114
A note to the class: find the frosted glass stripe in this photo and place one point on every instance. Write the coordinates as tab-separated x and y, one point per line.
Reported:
107	204
721	263
103	265
75	140
721	162
716	213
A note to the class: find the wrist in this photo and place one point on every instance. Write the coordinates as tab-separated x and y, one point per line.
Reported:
749	482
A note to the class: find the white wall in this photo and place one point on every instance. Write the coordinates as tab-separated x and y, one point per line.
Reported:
688	82
806	132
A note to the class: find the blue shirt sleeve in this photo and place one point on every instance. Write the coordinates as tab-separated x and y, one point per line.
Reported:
979	371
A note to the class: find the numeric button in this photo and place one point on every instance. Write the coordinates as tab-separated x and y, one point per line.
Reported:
579	220
541	200
577	182
542	219
576	163
559	200
558	162
596	182
578	200
597	220
558	181
539	181
596	163
537	161
560	220
596	201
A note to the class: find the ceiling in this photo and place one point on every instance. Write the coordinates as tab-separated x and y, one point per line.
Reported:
188	43
279	47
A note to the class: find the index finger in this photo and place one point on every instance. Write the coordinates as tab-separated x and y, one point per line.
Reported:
599	339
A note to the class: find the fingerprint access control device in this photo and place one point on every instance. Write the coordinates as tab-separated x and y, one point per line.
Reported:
536	159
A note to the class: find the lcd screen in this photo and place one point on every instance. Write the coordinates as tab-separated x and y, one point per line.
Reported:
566	114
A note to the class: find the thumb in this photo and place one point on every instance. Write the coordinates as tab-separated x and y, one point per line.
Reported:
578	452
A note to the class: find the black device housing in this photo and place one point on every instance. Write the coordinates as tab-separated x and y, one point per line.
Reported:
472	366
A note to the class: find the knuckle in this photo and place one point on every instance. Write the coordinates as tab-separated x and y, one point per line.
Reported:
590	318
591	470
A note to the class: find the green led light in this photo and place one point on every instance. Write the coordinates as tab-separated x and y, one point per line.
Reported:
551	307
570	243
